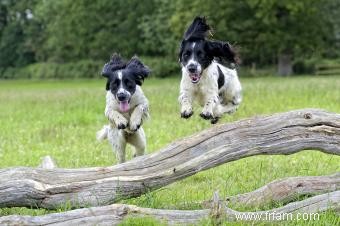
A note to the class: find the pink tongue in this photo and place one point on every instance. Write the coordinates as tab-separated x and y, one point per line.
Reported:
124	106
194	77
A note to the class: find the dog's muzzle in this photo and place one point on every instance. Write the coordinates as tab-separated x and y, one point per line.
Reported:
194	74
124	101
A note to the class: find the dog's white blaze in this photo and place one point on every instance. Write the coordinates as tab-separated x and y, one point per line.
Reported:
120	75
193	61
121	89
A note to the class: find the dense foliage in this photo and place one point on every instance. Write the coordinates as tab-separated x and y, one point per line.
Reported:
65	32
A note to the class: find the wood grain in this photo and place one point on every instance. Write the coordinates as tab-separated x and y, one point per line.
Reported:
278	134
284	190
115	213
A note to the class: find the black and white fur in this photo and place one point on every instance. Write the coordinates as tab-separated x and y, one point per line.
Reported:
215	86
126	105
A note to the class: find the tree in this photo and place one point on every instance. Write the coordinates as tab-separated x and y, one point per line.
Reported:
91	29
156	33
16	23
267	30
290	28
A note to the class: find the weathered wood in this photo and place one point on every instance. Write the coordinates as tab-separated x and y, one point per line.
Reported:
283	133
115	213
284	190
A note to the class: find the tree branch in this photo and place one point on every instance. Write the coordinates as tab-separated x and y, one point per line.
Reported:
114	214
283	133
284	190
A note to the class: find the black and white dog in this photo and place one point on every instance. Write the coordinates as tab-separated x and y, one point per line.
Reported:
126	106
216	87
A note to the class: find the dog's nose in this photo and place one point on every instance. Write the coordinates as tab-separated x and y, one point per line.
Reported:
121	96
192	68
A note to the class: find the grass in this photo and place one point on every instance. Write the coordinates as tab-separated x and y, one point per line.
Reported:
60	118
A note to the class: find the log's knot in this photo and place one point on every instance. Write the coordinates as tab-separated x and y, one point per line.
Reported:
307	116
216	209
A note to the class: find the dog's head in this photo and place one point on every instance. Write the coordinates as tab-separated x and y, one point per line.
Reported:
123	77
197	52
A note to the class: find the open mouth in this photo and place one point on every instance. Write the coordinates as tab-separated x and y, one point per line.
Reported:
195	77
124	106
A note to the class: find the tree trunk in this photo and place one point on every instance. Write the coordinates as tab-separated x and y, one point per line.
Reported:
285	66
284	191
116	213
279	134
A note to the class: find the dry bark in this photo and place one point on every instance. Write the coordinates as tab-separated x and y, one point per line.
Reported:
284	190
115	213
278	134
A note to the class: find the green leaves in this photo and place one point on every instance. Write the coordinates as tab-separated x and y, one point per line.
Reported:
67	31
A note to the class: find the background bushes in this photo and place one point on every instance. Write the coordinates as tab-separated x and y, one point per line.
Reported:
161	67
47	70
51	34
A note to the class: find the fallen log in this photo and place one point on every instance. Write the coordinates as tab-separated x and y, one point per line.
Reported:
115	213
284	190
278	134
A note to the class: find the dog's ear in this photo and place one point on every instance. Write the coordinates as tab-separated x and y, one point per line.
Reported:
223	50
198	29
107	86
114	64
180	52
138	70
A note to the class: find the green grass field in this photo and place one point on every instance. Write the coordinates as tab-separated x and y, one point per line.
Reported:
60	118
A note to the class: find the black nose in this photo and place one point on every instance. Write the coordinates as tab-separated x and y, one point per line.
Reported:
192	68
121	96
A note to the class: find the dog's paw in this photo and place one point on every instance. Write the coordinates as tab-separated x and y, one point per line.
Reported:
214	120
122	123
206	115
186	114
135	126
121	126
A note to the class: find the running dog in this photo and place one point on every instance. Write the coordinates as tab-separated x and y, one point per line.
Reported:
126	105
215	86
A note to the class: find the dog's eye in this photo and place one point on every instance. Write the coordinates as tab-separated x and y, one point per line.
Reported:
200	54
128	83
187	54
115	84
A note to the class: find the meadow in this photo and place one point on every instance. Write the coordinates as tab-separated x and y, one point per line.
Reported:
60	119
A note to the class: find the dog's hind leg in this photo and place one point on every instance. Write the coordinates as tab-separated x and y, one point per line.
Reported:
229	104
117	139
138	140
220	109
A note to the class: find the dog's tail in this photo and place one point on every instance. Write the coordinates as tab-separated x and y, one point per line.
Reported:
102	134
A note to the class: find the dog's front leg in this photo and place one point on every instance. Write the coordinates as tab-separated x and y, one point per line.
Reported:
115	117
185	100
137	116
112	114
186	105
209	104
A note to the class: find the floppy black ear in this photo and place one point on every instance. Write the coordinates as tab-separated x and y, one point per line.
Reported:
181	47
198	29
223	50
114	64
138	70
107	86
